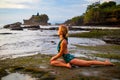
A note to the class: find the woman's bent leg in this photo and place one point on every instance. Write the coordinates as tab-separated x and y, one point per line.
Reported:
80	62
60	63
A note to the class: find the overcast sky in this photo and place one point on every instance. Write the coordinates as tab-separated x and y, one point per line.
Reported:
57	10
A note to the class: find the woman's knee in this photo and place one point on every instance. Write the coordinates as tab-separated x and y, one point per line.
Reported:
52	62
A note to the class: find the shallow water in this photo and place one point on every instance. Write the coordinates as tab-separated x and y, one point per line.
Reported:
27	42
17	76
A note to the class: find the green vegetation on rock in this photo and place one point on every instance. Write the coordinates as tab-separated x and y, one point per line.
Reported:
110	56
31	65
98	33
106	13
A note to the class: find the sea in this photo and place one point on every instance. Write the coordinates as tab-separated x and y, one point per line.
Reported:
15	43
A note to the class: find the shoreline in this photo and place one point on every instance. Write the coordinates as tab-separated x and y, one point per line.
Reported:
37	66
55	27
107	35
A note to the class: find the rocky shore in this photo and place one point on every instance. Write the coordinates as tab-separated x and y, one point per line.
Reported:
96	32
38	67
112	40
108	35
14	26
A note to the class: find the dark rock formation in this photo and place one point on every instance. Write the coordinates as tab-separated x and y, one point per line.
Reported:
37	20
7	26
5	33
32	27
112	40
14	26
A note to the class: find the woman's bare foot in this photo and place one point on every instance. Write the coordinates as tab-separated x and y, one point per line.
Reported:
108	63
68	65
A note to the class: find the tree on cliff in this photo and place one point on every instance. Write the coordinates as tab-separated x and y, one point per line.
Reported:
78	20
107	13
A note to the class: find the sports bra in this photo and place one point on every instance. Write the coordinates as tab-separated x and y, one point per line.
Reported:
58	47
67	57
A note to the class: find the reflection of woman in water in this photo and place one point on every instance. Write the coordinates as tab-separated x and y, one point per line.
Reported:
68	58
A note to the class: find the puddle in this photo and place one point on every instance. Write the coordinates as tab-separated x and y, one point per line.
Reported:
87	73
43	66
17	76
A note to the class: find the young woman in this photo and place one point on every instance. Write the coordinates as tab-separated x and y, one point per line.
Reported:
68	58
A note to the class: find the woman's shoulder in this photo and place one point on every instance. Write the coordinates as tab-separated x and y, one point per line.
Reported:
64	41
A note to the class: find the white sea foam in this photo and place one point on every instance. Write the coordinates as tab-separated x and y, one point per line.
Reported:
29	42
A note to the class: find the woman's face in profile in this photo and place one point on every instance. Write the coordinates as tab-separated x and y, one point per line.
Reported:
59	31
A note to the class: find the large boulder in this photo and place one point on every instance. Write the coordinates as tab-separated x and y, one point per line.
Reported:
14	26
6	26
112	40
